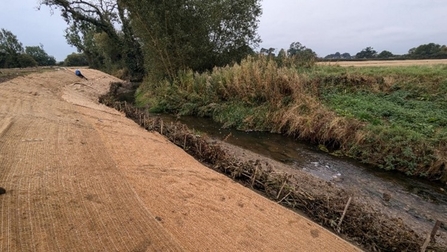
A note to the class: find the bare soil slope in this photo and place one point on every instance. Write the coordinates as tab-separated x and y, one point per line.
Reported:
80	176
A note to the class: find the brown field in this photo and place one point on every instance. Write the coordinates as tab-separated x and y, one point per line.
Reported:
80	176
386	63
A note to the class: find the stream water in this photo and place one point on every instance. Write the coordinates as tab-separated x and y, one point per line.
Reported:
419	203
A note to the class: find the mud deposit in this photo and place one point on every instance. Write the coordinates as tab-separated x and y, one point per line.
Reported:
322	200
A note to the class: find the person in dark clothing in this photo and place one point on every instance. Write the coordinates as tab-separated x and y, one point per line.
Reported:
79	74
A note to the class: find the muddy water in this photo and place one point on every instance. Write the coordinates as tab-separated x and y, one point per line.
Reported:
417	202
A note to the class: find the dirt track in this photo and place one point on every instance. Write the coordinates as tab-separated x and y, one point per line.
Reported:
81	177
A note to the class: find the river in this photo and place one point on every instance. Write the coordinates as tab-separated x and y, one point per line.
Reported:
419	203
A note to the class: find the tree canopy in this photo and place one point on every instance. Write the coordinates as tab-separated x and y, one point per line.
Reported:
366	53
40	56
76	59
385	55
428	51
95	25
10	49
338	55
302	55
194	34
13	55
165	36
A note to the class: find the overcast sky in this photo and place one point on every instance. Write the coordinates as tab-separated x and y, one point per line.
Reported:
325	26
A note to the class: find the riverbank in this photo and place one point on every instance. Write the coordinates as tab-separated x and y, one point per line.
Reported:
321	201
390	117
80	176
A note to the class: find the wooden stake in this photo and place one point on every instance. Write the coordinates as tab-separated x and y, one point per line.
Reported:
435	230
226	138
427	241
253	178
287	195
343	215
280	190
161	127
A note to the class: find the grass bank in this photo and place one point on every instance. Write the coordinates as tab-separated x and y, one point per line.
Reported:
391	117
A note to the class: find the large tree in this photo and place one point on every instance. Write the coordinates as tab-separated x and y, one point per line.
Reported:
194	34
40	56
86	18
10	49
174	34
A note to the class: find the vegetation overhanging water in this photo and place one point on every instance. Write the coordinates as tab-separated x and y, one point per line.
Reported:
393	118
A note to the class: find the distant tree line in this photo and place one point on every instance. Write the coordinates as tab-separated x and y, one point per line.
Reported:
13	54
425	51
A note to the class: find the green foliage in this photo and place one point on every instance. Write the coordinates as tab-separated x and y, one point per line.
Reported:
81	35
366	53
391	117
102	31
12	53
385	55
301	55
76	59
404	112
428	51
26	60
40	56
195	35
9	43
338	55
10	49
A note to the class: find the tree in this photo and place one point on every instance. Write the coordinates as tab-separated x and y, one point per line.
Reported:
174	35
337	55
428	51
346	56
89	17
10	49
40	56
76	59
366	53
268	52
385	55
26	60
81	35
199	35
282	59
302	55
